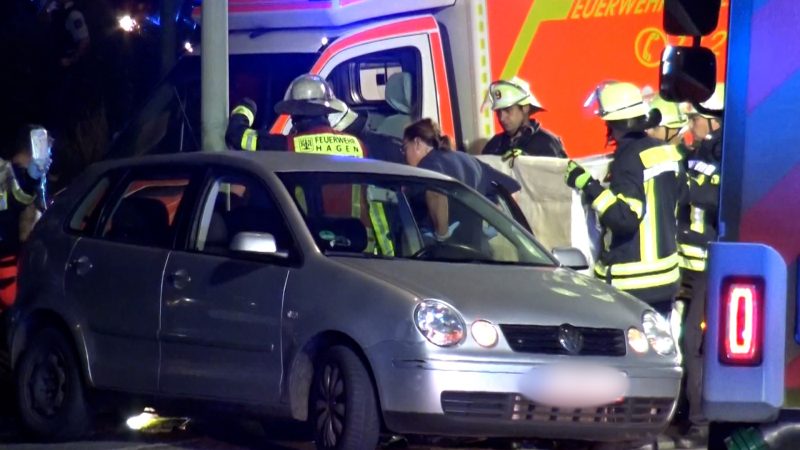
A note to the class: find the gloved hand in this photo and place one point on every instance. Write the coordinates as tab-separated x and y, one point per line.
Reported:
576	176
248	108
432	235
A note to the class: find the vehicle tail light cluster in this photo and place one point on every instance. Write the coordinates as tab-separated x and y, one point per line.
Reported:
742	330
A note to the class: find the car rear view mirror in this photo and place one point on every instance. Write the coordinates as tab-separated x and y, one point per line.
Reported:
691	17
571	257
259	243
688	74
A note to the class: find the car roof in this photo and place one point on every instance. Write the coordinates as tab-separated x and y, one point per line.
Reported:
277	162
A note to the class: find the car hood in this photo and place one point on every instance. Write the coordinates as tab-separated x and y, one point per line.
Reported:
510	294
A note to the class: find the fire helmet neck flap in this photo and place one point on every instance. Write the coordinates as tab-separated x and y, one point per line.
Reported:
308	95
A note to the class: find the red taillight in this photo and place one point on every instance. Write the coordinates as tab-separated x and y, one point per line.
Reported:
742	330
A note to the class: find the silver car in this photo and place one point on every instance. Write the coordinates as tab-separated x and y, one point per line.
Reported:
315	288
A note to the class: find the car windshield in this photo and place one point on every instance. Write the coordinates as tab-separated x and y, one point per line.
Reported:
387	216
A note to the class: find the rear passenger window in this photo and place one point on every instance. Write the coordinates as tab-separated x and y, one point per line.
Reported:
85	217
146	212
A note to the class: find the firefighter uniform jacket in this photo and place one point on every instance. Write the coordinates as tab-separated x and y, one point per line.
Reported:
697	224
534	141
637	213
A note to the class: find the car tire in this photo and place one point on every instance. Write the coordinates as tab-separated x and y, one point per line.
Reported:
50	391
343	411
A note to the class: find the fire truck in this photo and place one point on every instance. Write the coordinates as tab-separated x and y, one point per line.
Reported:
751	378
442	54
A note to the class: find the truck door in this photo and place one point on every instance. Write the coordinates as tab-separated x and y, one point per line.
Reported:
393	73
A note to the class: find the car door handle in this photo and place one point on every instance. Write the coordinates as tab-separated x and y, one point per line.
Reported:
81	265
180	279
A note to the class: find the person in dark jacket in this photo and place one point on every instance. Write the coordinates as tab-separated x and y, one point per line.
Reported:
637	210
514	104
426	148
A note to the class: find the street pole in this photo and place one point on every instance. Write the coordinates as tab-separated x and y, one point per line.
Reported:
214	76
169	38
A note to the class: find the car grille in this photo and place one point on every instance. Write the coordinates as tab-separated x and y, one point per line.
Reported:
544	339
516	408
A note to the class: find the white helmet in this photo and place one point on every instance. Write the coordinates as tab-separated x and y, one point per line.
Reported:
672	116
516	91
341	120
308	95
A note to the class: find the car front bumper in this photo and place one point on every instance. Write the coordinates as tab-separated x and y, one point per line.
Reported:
483	399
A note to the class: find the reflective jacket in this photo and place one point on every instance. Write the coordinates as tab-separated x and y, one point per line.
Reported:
697	214
637	213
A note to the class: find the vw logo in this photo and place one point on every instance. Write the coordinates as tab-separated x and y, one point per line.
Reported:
570	339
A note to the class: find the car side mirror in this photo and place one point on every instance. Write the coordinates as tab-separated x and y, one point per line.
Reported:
691	17
259	243
571	257
688	74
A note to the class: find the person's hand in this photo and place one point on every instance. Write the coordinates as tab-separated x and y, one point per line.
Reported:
576	176
248	108
439	238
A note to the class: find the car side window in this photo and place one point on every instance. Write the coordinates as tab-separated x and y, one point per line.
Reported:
234	204
86	215
145	213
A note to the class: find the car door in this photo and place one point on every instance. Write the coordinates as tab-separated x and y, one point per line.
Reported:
114	276
221	311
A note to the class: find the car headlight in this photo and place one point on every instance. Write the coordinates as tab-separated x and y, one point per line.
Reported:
637	340
484	333
439	323
657	330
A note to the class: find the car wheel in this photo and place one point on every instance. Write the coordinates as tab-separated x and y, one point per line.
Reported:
50	392
343	408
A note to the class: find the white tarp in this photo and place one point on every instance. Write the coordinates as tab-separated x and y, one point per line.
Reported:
555	212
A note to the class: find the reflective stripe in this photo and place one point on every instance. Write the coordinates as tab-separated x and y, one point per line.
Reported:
699	179
702	167
635	205
245	111
696	265
250	140
638	267
697	218
647	281
328	144
355	199
300	196
20	195
715	179
377	216
692	251
3	200
659	155
657	170
603	201
648	227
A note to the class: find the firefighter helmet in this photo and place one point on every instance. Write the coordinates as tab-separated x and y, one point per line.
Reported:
516	91
308	95
672	116
341	120
616	100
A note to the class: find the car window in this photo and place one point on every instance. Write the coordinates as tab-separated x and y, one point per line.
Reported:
88	212
145	213
393	217
236	203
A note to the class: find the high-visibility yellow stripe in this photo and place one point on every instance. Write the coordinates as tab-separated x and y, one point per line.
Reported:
355	198
659	155
540	11
377	216
20	195
603	201
715	179
250	140
697	219
646	281
648	228
695	265
638	267
328	144
692	251
300	196
635	205
245	111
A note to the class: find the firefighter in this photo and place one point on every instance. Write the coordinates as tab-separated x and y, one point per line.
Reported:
637	210
515	104
674	124
20	182
309	101
697	227
381	147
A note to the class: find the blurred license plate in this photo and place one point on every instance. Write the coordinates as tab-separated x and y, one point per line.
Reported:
575	385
